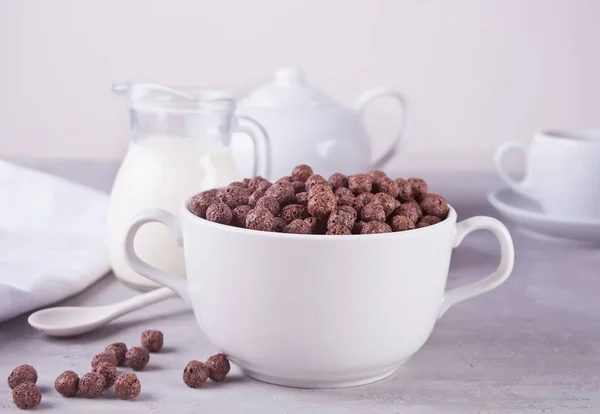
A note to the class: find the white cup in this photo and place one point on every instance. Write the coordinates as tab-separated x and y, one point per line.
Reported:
562	172
316	311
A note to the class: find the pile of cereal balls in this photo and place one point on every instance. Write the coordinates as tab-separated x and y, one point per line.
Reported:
307	203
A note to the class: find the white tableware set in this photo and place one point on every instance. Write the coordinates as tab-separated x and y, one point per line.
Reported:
559	196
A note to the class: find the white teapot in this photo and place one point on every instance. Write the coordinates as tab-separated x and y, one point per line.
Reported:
307	127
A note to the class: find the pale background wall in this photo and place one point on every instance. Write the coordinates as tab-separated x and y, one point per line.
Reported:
478	72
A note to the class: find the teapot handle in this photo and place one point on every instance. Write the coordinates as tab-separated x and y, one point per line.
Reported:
262	147
370	95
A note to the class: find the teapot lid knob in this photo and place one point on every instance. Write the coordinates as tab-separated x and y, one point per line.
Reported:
287	76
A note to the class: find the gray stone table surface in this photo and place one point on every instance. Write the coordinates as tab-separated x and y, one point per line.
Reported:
532	345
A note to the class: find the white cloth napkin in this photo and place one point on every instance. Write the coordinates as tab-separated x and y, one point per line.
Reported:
53	239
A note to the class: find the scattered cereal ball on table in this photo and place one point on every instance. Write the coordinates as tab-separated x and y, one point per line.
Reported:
233	197
387	202
21	374
375	227
137	358
67	384
278	225
435	205
314	180
238	216
386	185
200	202
401	223
301	172
260	219
282	191
218	366
152	340
270	203
26	395
218	212
301	198
419	187
428	221
119	349
298	226
108	357
360	183
92	384
373	211
195	374
338	230
340	218
338	180
127	386
292	212
320	206
108	371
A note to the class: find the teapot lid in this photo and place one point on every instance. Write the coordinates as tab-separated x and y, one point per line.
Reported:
288	89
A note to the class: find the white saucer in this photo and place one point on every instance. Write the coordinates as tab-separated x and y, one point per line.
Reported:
534	222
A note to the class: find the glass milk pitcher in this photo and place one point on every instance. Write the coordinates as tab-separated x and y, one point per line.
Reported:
179	147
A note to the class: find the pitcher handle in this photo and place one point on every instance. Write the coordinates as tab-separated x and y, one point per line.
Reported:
174	282
507	260
370	95
262	147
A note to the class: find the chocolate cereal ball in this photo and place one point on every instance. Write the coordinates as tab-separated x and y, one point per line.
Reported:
343	196
299	186
278	225
314	180
108	357
435	205
298	226
270	203
357	205
67	384
218	366
419	187
358	227
401	223
321	205
109	372
428	221
338	180
375	227
255	196
350	210
292	212
27	395
260	219
301	173
406	191
127	386
313	223
219	212
234	196
360	183
152	340
200	202
301	198
373	211
366	198
238	216
119	349
195	374
282	191
387	202
254	182
240	184
319	188
21	374
340	218
137	358
386	185
411	210
377	175
92	384
338	230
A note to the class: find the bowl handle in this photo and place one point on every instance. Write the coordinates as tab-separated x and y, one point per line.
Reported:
173	282
370	95
507	260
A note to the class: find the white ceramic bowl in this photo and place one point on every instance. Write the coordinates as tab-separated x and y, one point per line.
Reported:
318	311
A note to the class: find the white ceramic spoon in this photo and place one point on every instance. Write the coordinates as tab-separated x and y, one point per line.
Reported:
76	320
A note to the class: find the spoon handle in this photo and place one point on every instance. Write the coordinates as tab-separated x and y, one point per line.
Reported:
140	301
